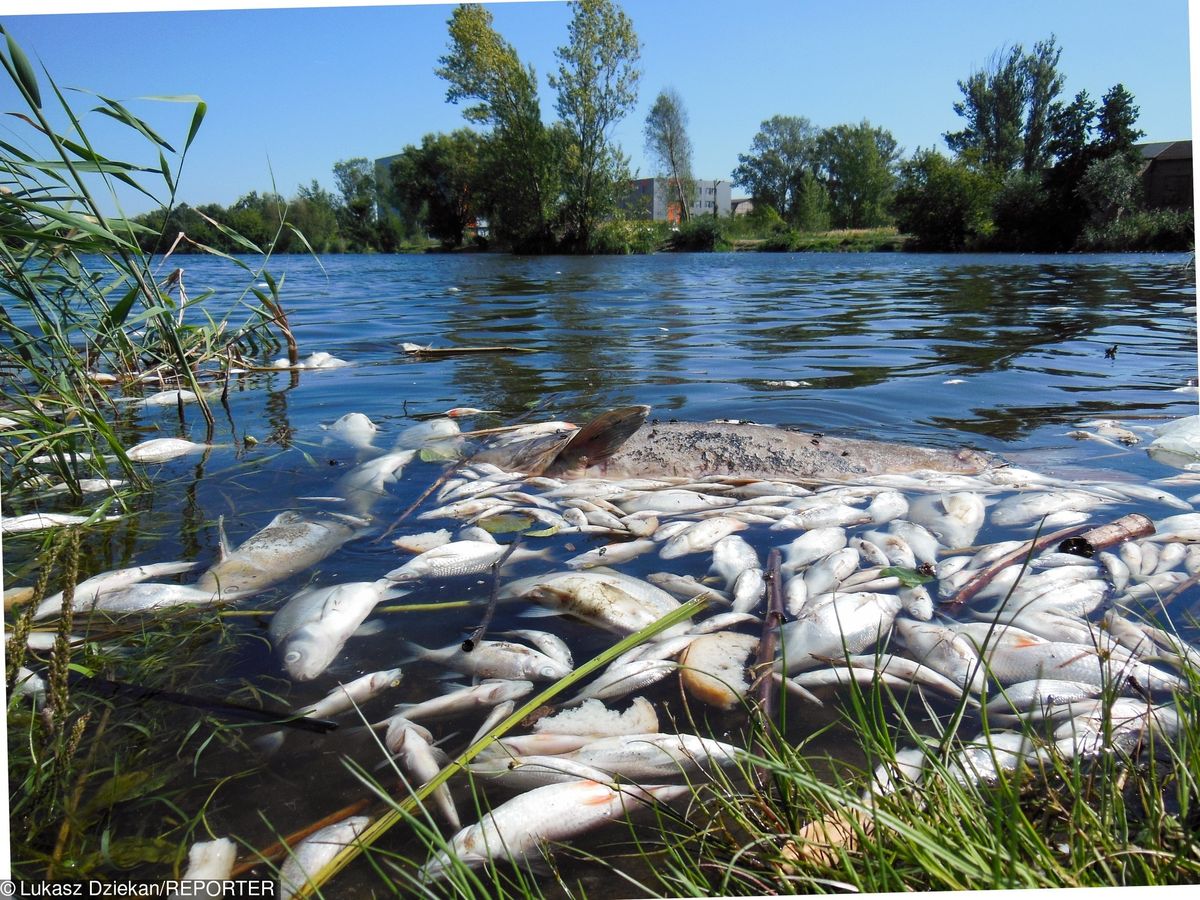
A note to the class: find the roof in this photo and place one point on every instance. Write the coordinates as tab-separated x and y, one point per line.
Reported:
1166	150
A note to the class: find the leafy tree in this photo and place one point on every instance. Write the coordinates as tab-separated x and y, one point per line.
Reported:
858	163
668	144
597	85
314	214
1007	106
1023	215
783	150
1115	121
519	158
1110	187
943	204
434	182
356	213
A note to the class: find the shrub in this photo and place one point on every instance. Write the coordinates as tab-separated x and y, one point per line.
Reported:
1156	229
622	237
702	234
941	203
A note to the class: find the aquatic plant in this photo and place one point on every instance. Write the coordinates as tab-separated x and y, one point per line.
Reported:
84	305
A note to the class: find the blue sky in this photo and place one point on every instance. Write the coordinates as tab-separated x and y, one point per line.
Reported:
291	91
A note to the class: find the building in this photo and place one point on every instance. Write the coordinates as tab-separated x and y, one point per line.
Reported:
657	198
1167	174
742	206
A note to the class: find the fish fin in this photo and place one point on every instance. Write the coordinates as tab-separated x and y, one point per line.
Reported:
599	438
222	539
392	593
412	652
366	629
537	612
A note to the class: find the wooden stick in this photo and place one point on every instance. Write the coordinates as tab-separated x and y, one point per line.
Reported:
1118	531
477	635
278	849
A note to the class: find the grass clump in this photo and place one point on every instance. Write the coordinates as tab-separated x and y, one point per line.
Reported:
83	305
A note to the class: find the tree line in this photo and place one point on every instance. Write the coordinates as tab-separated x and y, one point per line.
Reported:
1028	170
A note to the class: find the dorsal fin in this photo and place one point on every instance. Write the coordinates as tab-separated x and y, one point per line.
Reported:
222	539
599	438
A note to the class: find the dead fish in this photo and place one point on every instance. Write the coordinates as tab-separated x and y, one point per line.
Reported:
594	719
87	591
495	659
713	668
354	429
1022	509
484	695
459	558
617	681
811	546
210	861
366	483
700	537
674	502
312	628
685	587
311	854
421	760
43	521
288	544
611	554
655	756
519	829
354	693
163	449
620	443
608	600
426	540
847	623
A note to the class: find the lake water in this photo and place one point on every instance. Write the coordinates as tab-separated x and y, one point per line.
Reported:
1003	353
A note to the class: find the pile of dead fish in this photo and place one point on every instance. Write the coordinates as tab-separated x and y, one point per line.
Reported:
1052	652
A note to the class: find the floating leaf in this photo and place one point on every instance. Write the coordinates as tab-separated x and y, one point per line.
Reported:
545	532
505	523
908	577
438	454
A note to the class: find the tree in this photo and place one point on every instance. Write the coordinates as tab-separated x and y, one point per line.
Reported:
356	213
597	85
519	156
668	144
1110	187
434	182
943	204
783	150
1115	131
314	214
858	165
1007	106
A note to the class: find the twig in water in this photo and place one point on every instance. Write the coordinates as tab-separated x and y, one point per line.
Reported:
477	635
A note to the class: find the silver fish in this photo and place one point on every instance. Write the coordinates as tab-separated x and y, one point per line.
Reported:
289	543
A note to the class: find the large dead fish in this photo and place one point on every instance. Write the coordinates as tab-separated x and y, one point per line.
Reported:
621	444
289	543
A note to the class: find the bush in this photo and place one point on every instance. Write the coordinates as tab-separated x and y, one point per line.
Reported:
941	203
702	234
1156	229
1024	216
783	241
621	237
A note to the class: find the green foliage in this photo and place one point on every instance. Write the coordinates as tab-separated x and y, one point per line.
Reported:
597	86
1022	214
1115	121
355	180
858	168
943	204
621	236
1110	187
434	183
1007	107
520	162
81	295
782	152
700	234
1157	229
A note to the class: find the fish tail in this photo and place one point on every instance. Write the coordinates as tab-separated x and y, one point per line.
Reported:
599	438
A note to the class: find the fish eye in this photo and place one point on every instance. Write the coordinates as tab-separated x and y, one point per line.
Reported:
293	656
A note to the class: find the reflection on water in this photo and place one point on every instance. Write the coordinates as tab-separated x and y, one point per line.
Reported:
1006	353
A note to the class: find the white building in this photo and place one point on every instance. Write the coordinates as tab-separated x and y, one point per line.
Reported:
657	198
